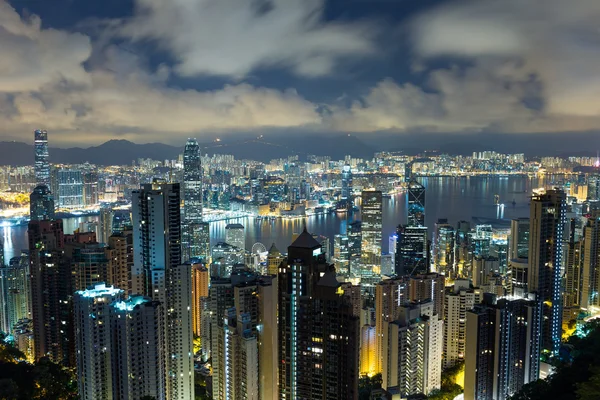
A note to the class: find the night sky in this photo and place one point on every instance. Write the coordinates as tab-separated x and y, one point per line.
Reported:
158	70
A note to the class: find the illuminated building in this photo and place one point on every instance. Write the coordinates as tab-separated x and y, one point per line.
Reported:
390	294
371	214
89	264
274	258
51	291
42	163
368	343
519	238
574	250
412	250
90	189
14	293
590	271
443	248
106	224
234	236
458	301
127	360
70	189
192	202
41	204
119	254
354	234
502	347
315	313
428	287
463	252
341	254
547	220
200	281
346	183
416	204
23	339
412	354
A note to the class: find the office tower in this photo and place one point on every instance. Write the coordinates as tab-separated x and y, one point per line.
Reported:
274	259
547	219
235	236
90	189
42	162
119	254
392	246
390	294
590	271
428	287
371	214
416	204
93	340
459	300
89	264
341	254
192	200
315	312
51	292
106	224
158	270
519	238
443	248
413	350
138	346
41	204
593	192
200	280
354	233
463	253
499	250
14	293
346	183
70	189
412	253
244	336
502	347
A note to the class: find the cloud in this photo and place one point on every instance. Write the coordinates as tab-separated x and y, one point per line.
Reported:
32	56
235	37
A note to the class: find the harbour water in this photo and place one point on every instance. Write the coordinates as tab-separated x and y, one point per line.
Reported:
456	199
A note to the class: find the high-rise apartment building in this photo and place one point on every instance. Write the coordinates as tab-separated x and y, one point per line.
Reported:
89	264
41	204
42	162
200	281
51	292
390	294
459	300
14	293
590	271
318	328
371	214
547	220
416	204
119	254
412	354
502	347
463	253
192	201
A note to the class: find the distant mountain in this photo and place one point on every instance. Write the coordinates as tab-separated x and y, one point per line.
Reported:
123	152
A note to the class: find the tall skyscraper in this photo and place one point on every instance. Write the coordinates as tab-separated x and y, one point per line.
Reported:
354	247
371	214
159	274
41	204
341	254
192	200
315	313
428	287
519	239
14	293
413	350
119	254
106	223
89	264
42	162
443	248
547	220
412	250
590	273
51	292
502	347
416	204
346	183
463	253
200	280
390	294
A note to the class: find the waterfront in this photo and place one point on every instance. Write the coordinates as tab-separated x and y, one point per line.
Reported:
456	199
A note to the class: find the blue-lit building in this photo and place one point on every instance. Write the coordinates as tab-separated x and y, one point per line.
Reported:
42	158
192	201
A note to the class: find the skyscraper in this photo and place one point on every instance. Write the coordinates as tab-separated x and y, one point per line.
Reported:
119	254
318	328
274	258
200	280
42	163
502	347
14	293
341	254
547	220
346	183
235	236
371	214
412	250
192	200
443	248
590	273
51	292
41	204
416	204
519	238
70	189
390	294
354	247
